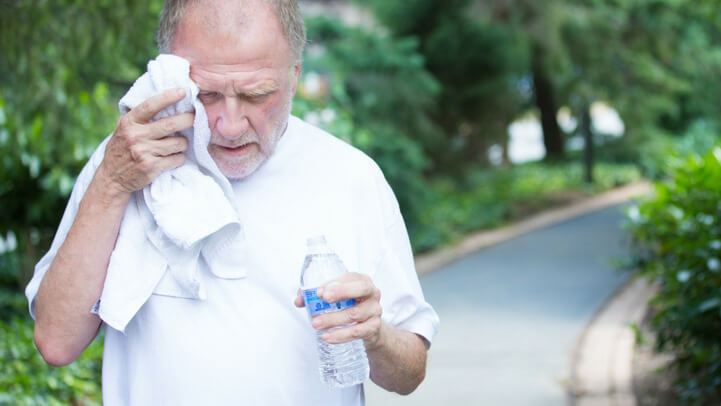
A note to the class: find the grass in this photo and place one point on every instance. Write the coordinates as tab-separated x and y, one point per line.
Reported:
489	198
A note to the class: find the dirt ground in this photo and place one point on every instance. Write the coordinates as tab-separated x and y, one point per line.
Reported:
652	381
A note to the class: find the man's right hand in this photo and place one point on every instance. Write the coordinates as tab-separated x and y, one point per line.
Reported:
140	150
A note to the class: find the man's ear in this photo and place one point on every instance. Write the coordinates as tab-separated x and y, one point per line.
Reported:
295	75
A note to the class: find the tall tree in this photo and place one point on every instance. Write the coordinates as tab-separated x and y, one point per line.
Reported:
539	23
478	64
654	61
545	99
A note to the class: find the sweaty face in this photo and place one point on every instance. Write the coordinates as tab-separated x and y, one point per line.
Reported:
241	62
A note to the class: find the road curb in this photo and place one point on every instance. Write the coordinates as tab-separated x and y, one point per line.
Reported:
427	263
601	366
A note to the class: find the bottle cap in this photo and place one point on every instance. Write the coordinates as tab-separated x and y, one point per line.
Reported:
317	245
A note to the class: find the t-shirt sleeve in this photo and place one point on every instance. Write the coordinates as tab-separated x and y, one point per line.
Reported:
71	210
402	299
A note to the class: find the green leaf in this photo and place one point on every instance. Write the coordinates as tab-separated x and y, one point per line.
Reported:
709	304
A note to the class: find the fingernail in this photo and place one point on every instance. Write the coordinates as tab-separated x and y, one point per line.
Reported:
180	92
316	323
319	291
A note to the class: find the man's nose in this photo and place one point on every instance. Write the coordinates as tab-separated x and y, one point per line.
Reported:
233	121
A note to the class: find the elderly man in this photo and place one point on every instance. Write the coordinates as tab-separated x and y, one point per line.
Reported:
246	343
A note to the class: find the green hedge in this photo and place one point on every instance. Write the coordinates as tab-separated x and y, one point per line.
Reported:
25	379
678	236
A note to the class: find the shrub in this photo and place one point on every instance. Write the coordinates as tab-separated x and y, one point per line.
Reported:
25	379
678	236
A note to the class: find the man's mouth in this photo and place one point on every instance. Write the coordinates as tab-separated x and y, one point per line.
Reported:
237	150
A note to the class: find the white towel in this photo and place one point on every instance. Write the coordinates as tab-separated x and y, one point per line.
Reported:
183	215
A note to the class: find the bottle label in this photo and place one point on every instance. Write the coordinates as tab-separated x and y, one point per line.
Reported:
316	305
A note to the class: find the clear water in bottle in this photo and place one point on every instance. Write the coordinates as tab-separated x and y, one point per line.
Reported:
340	364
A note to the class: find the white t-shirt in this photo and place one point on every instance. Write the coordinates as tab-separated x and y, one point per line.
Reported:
247	344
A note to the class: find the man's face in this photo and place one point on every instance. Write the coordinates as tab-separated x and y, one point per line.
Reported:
241	62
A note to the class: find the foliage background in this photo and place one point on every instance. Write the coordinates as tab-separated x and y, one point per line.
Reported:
678	242
426	89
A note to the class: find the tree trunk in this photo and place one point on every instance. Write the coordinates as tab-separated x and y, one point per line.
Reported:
543	89
588	143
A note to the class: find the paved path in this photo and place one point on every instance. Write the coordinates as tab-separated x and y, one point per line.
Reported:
512	314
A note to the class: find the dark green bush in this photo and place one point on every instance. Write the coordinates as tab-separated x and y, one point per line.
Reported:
678	236
25	379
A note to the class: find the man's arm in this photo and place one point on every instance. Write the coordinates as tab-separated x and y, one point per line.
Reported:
137	152
397	357
64	326
399	363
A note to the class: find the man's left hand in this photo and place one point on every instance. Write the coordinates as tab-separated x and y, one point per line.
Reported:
366	314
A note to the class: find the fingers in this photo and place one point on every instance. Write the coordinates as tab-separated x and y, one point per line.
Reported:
146	110
169	145
139	151
349	286
367	332
360	313
362	321
298	302
169	125
154	166
170	162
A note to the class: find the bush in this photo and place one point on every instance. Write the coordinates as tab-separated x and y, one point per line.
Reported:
25	379
678	236
64	65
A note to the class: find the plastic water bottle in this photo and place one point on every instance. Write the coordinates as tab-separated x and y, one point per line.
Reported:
340	364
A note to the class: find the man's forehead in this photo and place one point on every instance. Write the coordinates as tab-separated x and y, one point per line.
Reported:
229	80
230	33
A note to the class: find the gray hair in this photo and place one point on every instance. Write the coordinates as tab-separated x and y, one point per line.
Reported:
287	11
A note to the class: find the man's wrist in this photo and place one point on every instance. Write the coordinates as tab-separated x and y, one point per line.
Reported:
108	192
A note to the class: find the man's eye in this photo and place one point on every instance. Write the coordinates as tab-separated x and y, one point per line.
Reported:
206	97
258	98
